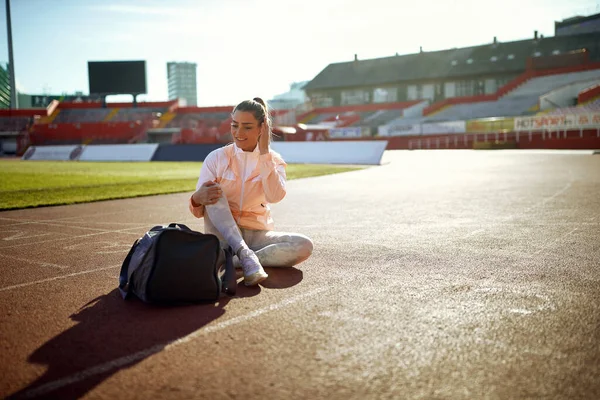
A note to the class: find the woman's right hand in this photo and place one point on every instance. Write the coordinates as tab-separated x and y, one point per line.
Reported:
209	193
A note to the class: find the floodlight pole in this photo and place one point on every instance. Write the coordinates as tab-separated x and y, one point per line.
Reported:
14	100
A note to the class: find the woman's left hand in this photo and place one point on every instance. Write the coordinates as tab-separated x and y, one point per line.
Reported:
265	137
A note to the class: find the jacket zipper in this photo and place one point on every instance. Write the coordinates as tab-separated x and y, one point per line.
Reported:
243	182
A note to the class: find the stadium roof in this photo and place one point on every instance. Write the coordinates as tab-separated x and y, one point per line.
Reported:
576	20
488	59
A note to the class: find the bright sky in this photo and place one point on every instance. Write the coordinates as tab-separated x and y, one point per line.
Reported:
248	48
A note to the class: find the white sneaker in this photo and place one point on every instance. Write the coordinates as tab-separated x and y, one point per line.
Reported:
253	271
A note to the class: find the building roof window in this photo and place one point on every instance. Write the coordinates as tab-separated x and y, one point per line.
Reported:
537	54
511	57
494	59
470	61
555	52
454	62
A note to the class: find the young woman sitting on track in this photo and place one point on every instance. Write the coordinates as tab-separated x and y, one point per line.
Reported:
236	184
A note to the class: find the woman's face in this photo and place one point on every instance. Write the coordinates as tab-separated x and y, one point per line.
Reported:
245	130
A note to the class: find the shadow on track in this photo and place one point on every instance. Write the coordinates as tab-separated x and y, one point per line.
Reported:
111	334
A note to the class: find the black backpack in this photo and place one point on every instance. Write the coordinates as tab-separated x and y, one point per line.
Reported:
174	264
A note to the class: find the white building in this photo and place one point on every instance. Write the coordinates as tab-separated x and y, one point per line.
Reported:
182	82
291	99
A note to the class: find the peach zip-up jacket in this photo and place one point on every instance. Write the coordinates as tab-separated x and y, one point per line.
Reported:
248	198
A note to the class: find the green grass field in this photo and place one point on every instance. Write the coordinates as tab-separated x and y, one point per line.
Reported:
26	184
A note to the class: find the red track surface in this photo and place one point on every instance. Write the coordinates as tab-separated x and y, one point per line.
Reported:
449	274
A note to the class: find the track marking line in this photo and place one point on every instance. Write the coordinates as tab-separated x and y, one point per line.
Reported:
126	360
547	199
22	235
345	318
85	217
546	303
31	261
521	311
554	241
51	224
106	247
468	235
20	285
124	231
513	216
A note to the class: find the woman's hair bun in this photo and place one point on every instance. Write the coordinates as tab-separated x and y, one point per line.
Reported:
260	101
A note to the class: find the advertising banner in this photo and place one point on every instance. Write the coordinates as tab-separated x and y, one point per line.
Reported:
443	127
119	152
557	122
350	132
490	125
367	152
53	153
399	130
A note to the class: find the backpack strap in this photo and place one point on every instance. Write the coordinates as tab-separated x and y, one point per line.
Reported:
229	278
123	276
180	226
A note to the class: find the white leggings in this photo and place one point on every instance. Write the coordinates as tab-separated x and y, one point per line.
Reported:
274	249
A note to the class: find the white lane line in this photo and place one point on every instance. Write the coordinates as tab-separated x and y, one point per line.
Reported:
124	231
468	235
521	311
547	199
31	261
554	241
22	235
104	246
56	278
85	217
51	224
505	219
10	219
70	224
140	355
340	316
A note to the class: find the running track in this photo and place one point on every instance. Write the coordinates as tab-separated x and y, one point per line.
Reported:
442	274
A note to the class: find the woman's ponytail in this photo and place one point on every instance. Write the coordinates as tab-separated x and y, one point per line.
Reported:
267	116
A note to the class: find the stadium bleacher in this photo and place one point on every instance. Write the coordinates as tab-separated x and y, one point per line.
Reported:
143	114
14	124
520	101
383	117
365	115
192	119
504	107
450	89
593	106
85	133
544	84
81	115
